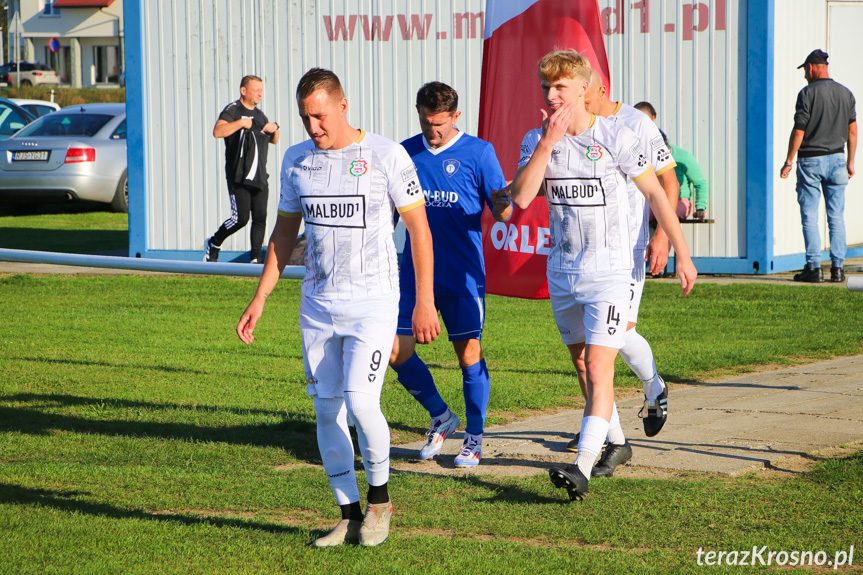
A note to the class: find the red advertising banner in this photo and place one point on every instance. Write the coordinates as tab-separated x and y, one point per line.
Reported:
515	252
518	33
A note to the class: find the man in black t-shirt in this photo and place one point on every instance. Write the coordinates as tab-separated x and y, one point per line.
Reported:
246	131
825	122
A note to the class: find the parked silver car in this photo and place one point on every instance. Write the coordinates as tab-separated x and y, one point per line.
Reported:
77	153
12	118
38	108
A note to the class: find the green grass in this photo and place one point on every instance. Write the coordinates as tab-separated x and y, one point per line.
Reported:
66	96
138	435
64	228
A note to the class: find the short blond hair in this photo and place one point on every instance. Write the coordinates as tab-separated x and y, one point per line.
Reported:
564	64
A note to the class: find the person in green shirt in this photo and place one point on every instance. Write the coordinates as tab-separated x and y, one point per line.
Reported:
691	180
689	175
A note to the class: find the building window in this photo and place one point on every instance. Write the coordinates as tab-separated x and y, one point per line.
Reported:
65	70
107	65
52	59
48	9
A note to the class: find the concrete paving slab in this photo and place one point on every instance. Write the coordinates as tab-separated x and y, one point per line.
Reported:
852	387
793	402
728	426
812	439
708	423
31	268
690	398
851	365
808	380
850	412
725	462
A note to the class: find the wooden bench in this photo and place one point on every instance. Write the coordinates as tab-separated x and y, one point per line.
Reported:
694	221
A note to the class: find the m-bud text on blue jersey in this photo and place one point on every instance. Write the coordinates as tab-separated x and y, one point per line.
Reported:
765	557
440	198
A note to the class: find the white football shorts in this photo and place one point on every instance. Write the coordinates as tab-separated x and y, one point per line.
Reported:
347	344
636	284
590	309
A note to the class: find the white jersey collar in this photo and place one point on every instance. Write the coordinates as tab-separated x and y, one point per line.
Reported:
445	147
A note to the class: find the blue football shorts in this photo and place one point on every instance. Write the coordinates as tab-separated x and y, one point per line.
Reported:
463	316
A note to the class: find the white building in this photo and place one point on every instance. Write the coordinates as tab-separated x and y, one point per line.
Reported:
722	73
89	32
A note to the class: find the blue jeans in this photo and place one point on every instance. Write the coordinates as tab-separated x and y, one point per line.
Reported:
830	174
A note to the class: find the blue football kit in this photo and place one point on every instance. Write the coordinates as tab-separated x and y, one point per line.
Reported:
457	180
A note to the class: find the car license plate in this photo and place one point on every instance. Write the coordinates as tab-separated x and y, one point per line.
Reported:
30	156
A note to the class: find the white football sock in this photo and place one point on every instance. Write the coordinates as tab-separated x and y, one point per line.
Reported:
654	389
638	356
337	449
594	430
615	431
373	435
444	417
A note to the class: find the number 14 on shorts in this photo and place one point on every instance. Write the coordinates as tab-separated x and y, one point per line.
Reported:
612	317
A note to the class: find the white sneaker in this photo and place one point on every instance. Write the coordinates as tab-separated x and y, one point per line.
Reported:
376	525
438	431
345	531
471	451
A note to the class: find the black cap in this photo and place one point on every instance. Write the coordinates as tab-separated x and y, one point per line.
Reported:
815	57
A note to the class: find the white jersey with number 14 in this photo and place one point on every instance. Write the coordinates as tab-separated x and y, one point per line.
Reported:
588	204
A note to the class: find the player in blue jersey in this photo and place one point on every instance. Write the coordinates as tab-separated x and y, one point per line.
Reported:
458	172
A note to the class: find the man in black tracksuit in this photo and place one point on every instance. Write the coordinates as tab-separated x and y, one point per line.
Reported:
246	131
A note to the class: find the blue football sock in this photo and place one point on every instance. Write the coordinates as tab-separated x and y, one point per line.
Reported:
476	386
415	377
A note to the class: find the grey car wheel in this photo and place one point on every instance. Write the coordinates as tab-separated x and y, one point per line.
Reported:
120	203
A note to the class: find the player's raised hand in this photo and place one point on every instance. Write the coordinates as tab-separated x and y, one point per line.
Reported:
554	127
502	196
501	200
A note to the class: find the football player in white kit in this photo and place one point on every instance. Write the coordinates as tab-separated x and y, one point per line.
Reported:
583	161
636	351
345	183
